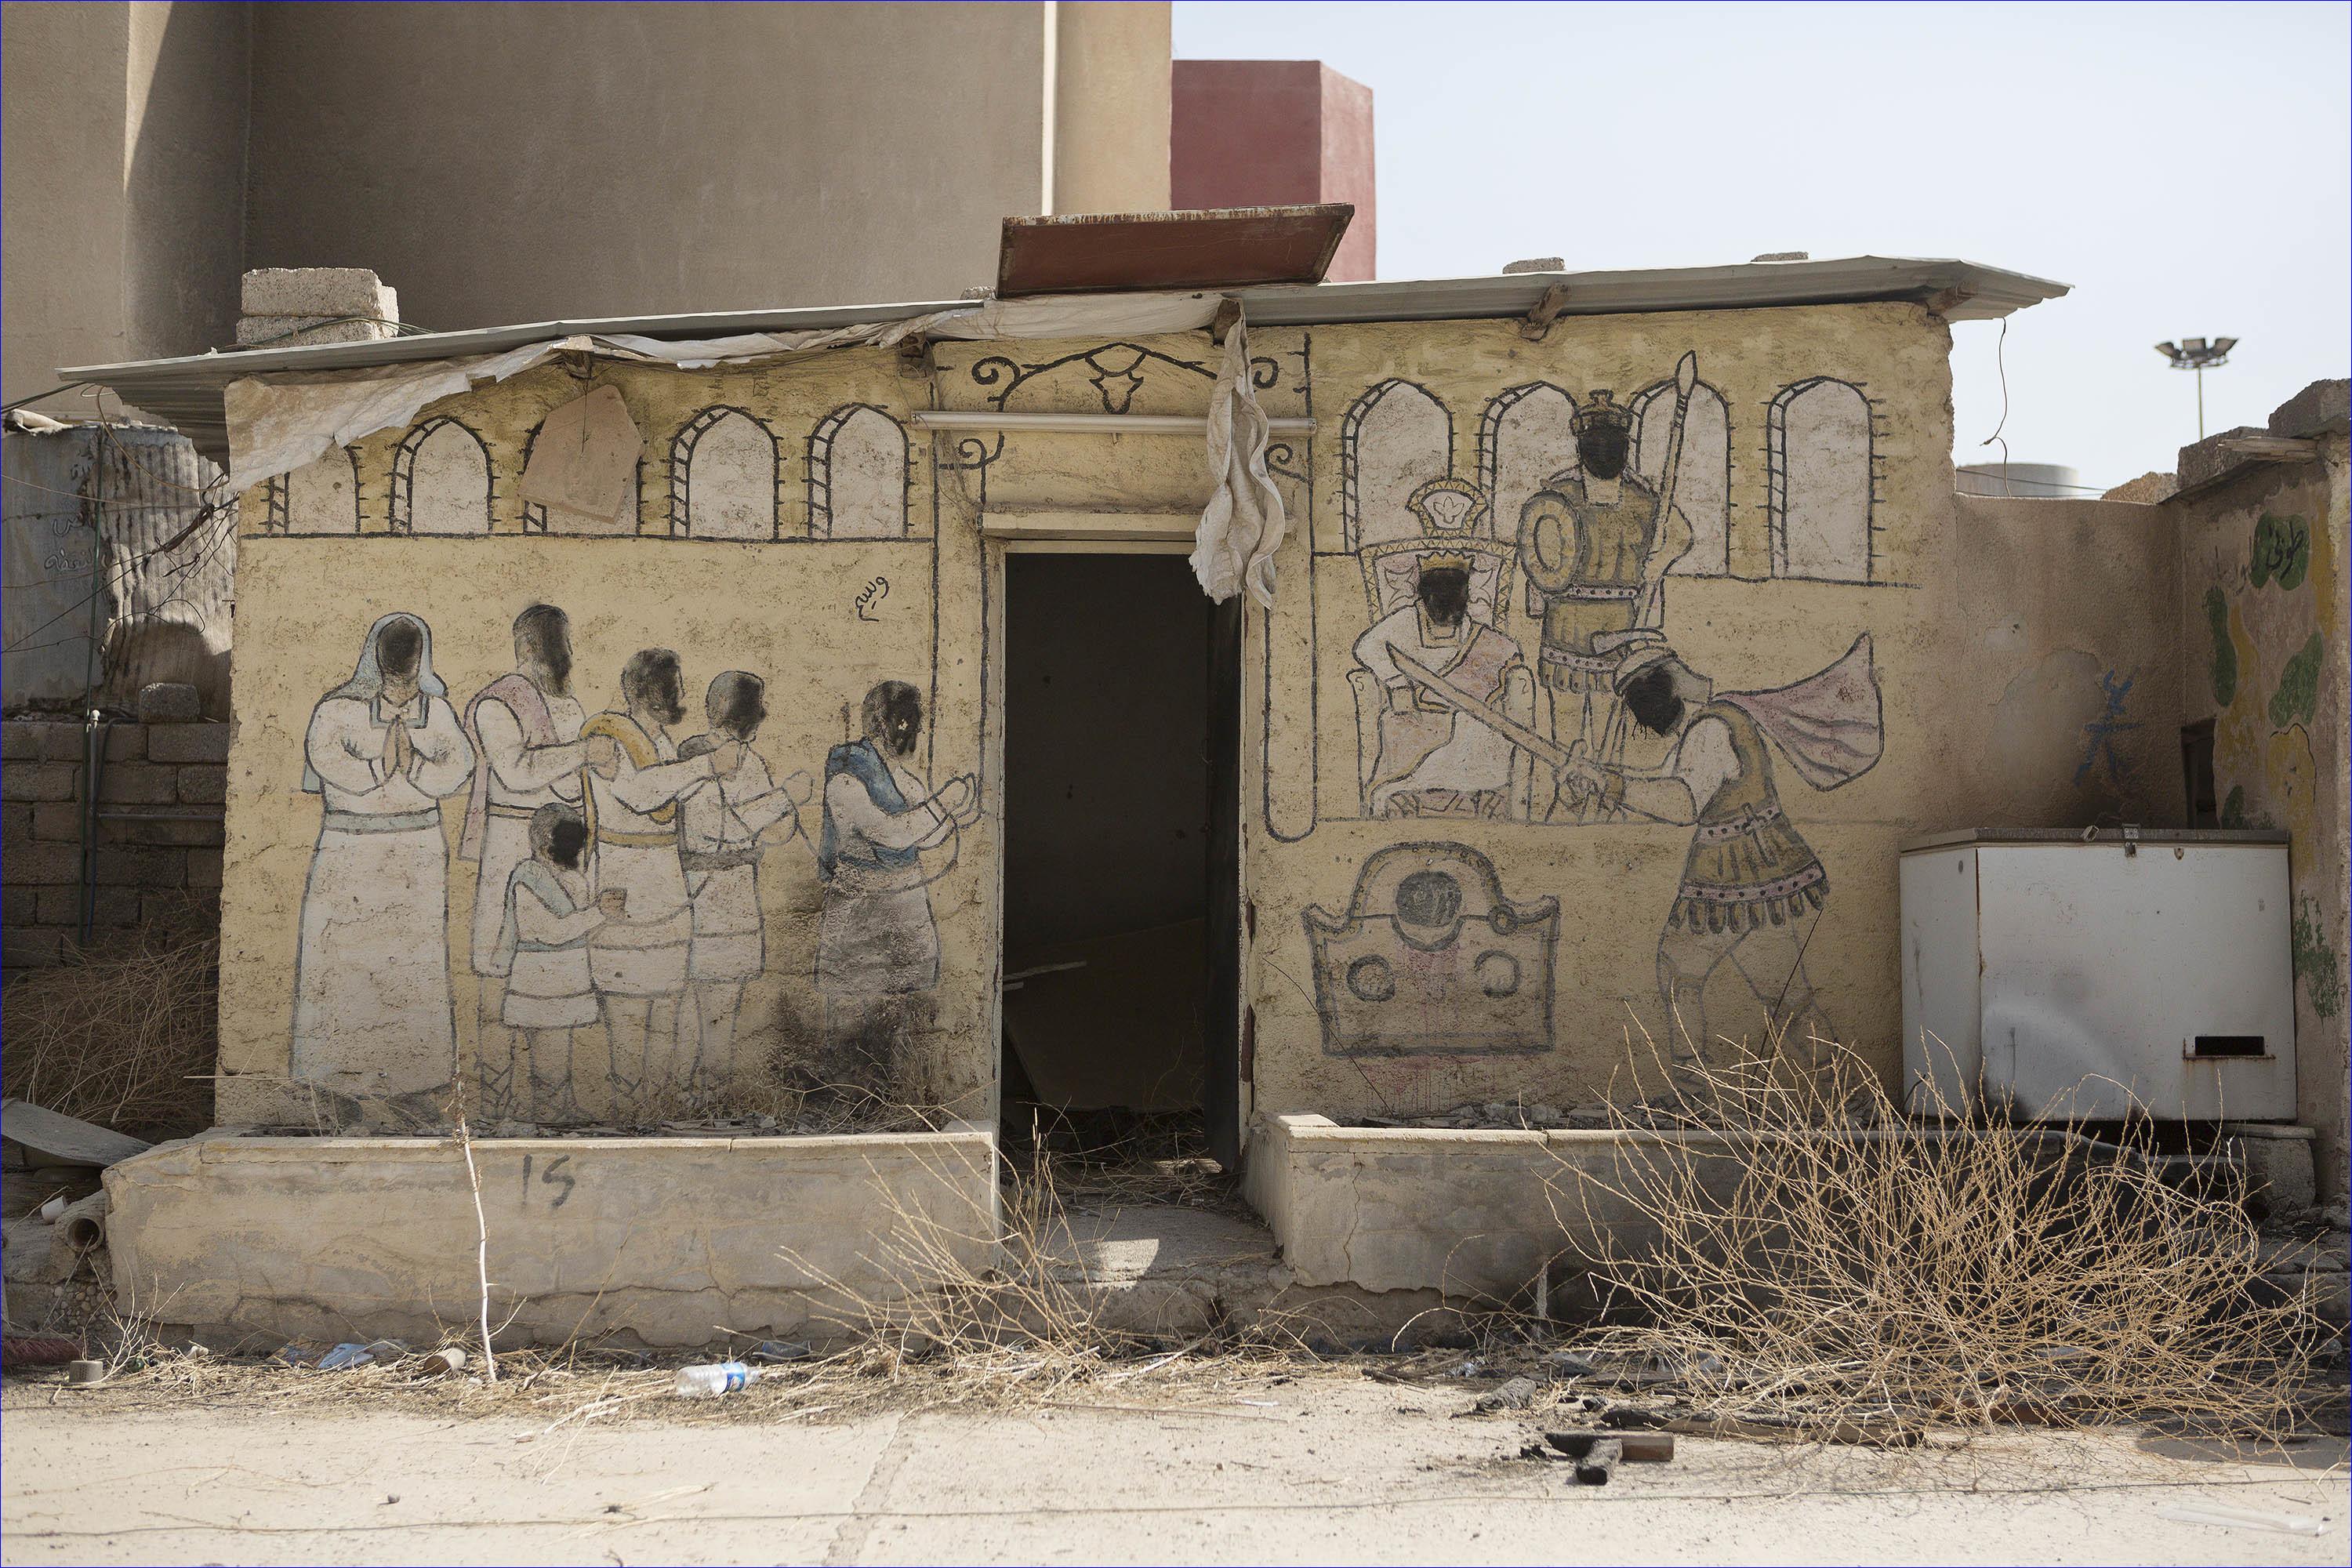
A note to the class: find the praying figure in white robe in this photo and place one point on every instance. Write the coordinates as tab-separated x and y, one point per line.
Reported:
371	1000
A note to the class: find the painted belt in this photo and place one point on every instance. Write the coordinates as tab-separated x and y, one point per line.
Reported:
1755	892
635	840
522	813
575	944
1738	826
389	821
1604	590
852	877
718	860
1560	656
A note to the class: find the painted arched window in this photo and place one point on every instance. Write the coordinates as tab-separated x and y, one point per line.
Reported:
1702	487
319	497
1394	439
1524	438
1819	441
857	474
441	480
726	474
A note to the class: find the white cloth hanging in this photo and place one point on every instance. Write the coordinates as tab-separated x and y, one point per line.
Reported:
1243	523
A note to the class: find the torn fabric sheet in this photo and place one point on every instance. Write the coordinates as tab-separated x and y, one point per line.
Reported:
280	423
1243	523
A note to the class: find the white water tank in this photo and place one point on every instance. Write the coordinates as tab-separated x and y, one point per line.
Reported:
2074	977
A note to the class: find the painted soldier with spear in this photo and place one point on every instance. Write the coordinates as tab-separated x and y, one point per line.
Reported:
1596	545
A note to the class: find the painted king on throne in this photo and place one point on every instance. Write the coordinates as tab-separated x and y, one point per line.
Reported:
1434	588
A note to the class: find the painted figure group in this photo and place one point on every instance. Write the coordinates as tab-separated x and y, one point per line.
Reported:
618	882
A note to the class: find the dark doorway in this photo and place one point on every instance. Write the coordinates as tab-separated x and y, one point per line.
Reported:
1111	850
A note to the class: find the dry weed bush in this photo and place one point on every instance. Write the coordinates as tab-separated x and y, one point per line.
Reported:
1804	1257
126	1037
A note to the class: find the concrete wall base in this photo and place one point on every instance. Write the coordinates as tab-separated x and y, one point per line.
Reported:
660	1241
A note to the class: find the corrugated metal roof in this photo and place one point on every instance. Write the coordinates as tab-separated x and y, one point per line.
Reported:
187	391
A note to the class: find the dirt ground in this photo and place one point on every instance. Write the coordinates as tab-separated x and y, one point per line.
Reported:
1321	1466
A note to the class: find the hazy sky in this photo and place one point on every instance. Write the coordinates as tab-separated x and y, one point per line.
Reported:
2184	167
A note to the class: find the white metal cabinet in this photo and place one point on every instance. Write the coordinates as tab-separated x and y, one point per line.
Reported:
2073	977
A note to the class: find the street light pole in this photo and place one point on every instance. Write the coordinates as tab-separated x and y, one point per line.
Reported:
2196	354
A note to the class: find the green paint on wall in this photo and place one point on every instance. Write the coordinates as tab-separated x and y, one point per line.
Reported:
2297	697
2225	652
2316	964
2282	551
2233	810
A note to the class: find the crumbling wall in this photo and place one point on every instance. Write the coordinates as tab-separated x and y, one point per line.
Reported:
2263	611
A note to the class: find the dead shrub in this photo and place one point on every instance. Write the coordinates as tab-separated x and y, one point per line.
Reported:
1799	1256
125	1034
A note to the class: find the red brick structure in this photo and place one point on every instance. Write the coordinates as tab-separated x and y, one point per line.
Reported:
1266	132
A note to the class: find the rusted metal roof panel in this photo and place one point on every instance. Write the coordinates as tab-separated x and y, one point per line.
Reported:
1217	247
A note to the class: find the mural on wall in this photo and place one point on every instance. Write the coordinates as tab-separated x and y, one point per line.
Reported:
2265	667
1752	889
372	1012
878	943
1432	959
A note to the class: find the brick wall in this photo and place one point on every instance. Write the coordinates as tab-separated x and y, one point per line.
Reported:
158	831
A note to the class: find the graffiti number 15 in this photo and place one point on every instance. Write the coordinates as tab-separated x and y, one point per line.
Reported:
555	1176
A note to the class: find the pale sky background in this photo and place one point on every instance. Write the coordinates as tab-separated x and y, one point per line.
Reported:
2184	166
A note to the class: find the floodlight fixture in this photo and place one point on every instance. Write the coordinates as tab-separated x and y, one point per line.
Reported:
2197	355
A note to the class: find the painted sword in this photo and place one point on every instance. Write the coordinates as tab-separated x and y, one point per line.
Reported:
1510	729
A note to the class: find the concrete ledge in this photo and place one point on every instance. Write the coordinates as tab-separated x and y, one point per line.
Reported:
664	1240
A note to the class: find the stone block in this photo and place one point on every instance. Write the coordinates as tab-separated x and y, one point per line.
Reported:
181	831
17	824
189	744
317	292
20	907
204	784
20	741
178	909
2146	490
32	949
126	743
302	332
204	867
64	743
39	781
2277	1163
125	866
58	822
139	783
41	864
169	702
115	907
2323	407
662	1239
61	906
2207	460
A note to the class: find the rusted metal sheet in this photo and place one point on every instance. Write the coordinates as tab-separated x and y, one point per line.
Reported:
1219	247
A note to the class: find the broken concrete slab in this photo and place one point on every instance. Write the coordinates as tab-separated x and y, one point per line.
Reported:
66	1140
2323	408
2212	457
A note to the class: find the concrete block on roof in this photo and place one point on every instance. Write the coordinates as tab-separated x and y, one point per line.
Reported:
2208	459
318	291
2146	490
300	332
2322	408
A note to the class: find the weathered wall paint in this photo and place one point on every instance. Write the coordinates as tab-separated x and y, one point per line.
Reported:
2262	619
1819	570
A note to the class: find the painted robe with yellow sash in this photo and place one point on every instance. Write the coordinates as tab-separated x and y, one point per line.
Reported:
633	828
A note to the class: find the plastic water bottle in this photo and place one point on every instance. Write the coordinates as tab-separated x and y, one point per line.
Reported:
711	1381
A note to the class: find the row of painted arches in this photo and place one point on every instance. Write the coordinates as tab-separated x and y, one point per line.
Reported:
726	480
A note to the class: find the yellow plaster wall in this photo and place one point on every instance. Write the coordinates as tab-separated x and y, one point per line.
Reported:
804	613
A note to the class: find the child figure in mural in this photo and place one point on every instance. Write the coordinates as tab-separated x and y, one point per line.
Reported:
638	961
721	824
1596	551
877	942
525	728
541	948
372	998
1435	761
1752	889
